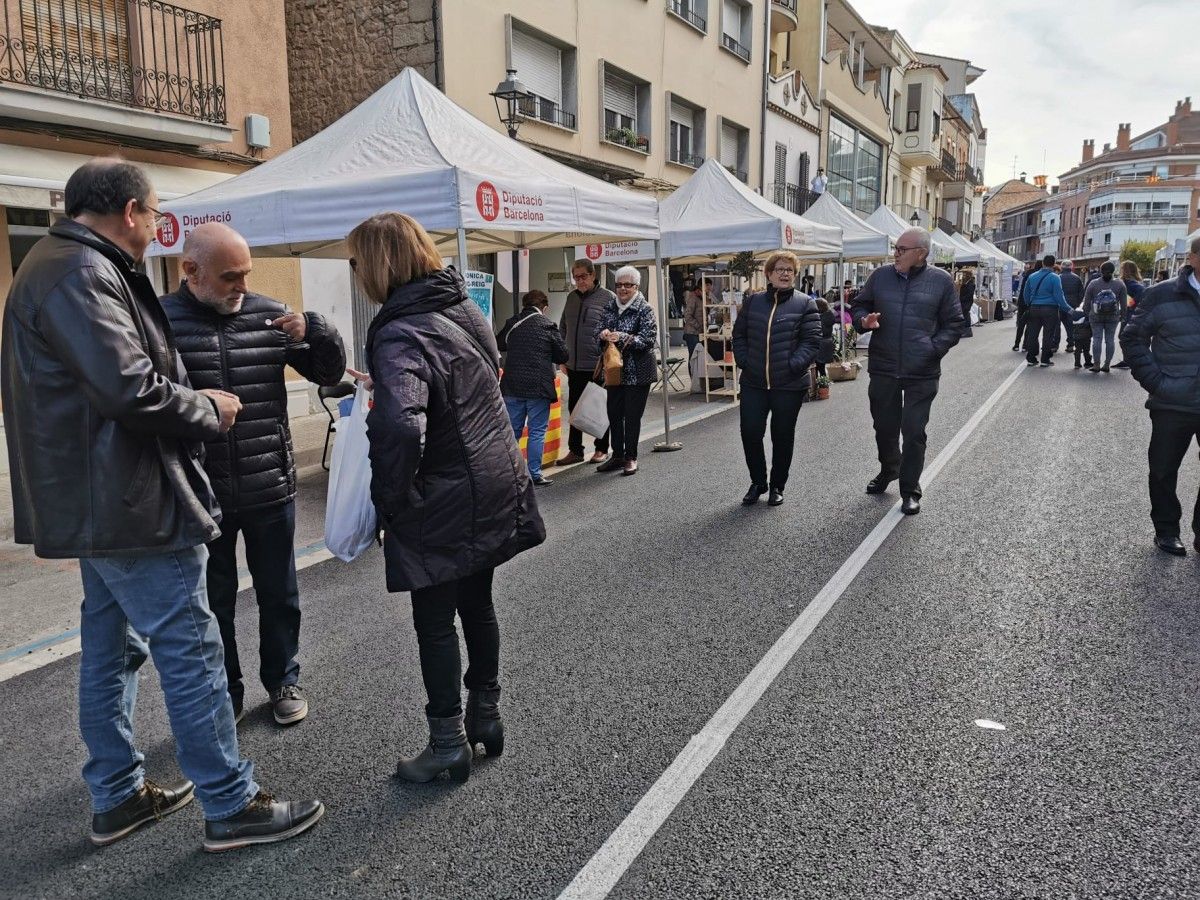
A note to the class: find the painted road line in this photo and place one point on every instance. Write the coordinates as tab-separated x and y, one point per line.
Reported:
602	872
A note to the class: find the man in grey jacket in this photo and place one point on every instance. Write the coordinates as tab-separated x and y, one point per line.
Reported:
106	442
579	318
914	312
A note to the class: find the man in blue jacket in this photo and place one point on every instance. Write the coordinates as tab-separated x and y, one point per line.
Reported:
1044	294
914	311
1162	344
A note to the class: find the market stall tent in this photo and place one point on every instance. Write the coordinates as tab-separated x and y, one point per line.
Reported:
994	251
887	220
712	214
860	241
962	251
409	148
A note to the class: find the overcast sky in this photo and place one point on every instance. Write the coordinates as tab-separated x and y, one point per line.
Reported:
1058	72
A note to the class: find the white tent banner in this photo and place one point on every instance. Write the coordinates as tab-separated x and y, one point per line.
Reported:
616	252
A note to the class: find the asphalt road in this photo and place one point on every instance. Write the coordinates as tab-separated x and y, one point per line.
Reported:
1027	593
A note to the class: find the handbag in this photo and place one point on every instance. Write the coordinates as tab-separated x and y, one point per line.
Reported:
614	365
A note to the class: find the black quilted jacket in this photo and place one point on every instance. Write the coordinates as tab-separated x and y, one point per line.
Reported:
776	337
920	320
1162	345
251	466
534	345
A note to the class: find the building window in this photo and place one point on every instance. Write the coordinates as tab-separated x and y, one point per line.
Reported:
686	132
735	149
854	167
694	12
548	72
626	105
914	108
736	28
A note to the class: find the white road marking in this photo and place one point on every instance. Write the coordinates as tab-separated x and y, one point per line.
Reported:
990	725
602	872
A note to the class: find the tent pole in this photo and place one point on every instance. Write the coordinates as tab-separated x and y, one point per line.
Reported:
666	445
842	293
462	252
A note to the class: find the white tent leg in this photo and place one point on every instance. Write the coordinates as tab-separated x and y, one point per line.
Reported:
664	347
462	252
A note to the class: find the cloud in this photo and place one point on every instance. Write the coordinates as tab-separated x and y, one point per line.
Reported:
1055	77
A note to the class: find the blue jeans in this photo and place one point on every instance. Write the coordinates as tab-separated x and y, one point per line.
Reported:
537	412
1101	332
164	599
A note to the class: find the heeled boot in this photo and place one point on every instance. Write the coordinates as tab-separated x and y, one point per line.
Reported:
447	751
484	725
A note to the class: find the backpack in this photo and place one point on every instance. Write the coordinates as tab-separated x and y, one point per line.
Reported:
1104	306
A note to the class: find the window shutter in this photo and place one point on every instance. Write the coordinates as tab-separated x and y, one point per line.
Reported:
539	65
620	95
731	19
683	115
804	179
781	163
96	31
729	146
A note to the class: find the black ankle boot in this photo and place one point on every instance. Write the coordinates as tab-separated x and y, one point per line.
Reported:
484	725
447	751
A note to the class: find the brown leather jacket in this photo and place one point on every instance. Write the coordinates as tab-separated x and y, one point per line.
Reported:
105	438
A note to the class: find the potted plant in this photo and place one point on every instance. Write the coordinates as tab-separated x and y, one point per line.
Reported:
643	143
845	366
823	387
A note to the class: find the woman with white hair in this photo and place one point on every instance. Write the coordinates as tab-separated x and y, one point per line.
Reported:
628	323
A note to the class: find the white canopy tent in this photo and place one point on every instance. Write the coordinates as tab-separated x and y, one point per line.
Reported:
996	252
860	241
409	148
712	214
961	250
887	220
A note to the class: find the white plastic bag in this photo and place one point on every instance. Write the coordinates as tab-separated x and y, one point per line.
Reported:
349	513
590	414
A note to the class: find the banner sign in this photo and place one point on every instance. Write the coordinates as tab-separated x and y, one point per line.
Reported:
479	287
616	252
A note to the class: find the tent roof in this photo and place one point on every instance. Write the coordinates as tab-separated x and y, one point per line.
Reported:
408	148
966	251
997	252
888	221
860	240
713	214
945	250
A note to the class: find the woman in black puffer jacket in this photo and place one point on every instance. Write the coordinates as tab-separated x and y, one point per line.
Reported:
451	490
629	323
776	337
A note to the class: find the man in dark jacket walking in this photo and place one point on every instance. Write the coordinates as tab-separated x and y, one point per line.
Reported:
236	341
1162	344
105	438
584	307
914	312
1072	286
534	347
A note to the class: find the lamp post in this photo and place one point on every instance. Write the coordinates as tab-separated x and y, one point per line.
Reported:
510	92
915	219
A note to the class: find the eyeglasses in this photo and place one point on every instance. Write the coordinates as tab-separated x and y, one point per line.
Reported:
159	217
780	270
582	276
626	284
901	250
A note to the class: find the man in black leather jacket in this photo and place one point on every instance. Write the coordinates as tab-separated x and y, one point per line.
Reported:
105	439
914	314
236	341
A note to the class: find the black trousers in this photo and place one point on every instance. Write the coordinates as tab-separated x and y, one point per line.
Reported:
1067	326
269	535
1042	329
626	405
1022	322
433	616
1171	435
577	380
783	408
900	407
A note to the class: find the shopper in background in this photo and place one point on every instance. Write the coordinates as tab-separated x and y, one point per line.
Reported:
453	495
1104	301
583	309
966	299
534	346
827	352
776	337
1023	305
1072	286
1044	295
693	316
628	323
1132	277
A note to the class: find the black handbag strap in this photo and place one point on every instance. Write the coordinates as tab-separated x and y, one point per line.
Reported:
474	342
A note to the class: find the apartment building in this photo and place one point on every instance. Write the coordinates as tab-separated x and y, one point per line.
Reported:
963	146
792	132
1145	187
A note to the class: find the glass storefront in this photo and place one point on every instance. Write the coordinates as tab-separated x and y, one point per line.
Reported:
855	167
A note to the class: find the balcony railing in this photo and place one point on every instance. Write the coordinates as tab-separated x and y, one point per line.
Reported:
627	137
1139	218
546	111
946	225
792	197
949	165
739	174
789	5
733	46
683	9
692	160
139	53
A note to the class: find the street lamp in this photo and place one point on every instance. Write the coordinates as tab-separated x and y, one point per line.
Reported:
915	219
511	92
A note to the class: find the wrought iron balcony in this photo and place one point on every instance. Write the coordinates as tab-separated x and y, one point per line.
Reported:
739	174
683	9
544	110
792	197
692	160
733	46
139	53
789	5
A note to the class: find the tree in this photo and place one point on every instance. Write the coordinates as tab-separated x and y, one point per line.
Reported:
1142	253
744	264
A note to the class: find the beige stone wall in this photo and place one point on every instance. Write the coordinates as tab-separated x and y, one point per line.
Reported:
342	51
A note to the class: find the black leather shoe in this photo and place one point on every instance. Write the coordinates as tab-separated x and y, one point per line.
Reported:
264	821
752	495
910	506
447	751
482	721
150	803
776	498
1196	543
1170	543
879	484
613	464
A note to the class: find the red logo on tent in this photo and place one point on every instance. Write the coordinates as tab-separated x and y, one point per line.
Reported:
487	201
168	230
787	233
594	251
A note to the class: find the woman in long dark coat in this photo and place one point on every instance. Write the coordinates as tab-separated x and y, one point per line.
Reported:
452	492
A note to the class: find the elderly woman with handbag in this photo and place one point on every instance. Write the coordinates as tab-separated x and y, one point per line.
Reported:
626	334
451	490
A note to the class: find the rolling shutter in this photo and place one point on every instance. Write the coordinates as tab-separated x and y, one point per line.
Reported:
620	95
539	65
729	146
683	115
731	19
